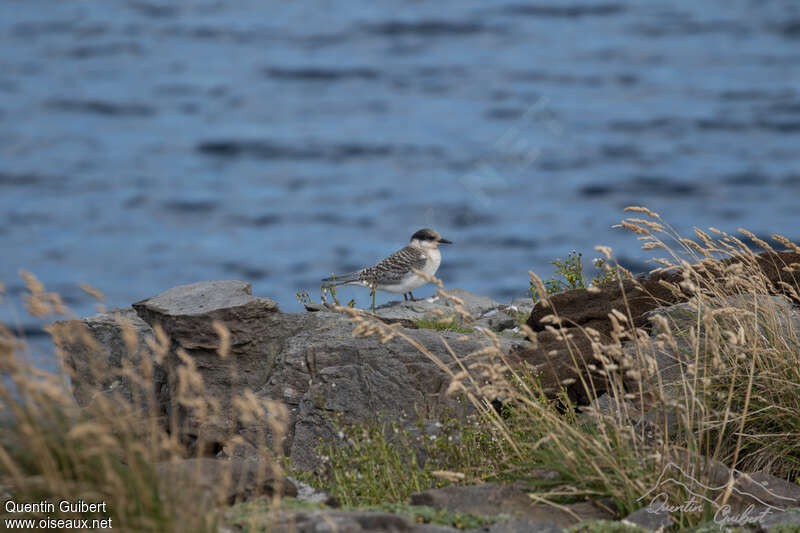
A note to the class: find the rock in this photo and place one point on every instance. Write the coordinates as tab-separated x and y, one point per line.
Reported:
583	308
324	521
307	493
559	363
522	305
649	519
224	480
330	372
608	407
580	309
781	521
522	525
510	499
753	496
474	304
94	350
205	411
186	313
761	488
496	320
309	362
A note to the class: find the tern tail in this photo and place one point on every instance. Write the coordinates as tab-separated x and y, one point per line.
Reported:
343	279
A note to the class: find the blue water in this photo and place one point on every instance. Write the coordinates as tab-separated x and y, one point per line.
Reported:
147	144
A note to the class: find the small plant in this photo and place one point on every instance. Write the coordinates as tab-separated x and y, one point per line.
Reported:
567	275
304	298
329	288
608	272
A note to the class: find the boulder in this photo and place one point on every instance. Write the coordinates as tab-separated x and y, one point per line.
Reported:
648	519
309	362
755	495
509	499
95	349
563	360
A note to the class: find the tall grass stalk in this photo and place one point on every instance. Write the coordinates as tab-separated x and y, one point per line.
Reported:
737	400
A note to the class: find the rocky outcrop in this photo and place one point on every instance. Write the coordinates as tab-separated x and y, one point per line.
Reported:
239	374
96	350
309	362
564	361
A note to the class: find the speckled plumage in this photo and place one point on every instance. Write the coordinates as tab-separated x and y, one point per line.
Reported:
394	268
396	272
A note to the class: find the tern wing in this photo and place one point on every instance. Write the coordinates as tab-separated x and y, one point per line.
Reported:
395	267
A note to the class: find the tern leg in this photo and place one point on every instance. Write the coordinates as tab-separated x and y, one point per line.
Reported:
405	297
412	296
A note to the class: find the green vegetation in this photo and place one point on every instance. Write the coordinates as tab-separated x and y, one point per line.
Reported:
429	515
737	404
384	462
568	274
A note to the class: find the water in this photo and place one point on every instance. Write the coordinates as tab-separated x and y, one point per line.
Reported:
149	144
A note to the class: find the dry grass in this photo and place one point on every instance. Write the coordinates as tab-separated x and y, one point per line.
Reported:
737	402
738	399
112	450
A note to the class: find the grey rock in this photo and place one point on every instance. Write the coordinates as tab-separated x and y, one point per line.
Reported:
309	362
522	525
474	304
186	313
324	370
649	519
752	493
774	520
206	413
95	350
496	320
509	499
224	480
762	488
307	493
350	522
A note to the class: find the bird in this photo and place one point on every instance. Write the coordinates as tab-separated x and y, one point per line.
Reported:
396	272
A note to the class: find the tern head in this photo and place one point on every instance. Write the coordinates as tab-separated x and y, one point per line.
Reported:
428	238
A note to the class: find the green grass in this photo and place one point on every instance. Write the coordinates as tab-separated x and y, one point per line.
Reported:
384	462
738	403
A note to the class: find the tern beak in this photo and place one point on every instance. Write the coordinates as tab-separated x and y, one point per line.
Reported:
445	241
